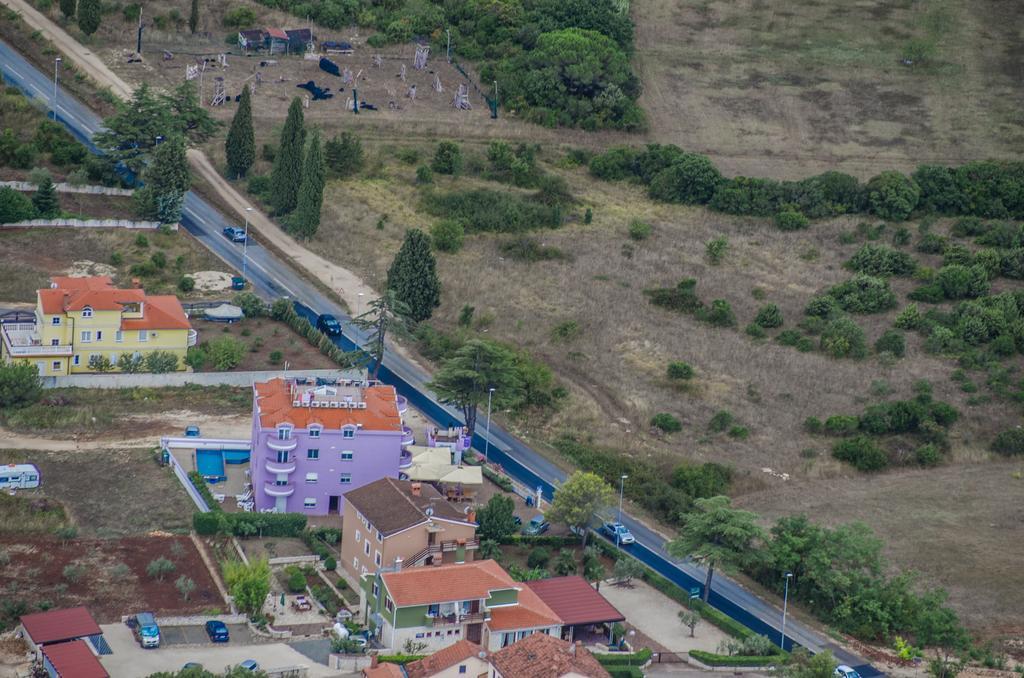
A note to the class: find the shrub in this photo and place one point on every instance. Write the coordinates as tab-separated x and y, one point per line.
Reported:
258	186
447	235
424	175
681	298
892	342
1009	443
892	195
160	567
720	421
447	158
864	294
821	307
530	250
842	424
755	331
484	210
704	480
716	249
719	314
910	318
239	16
928	455
639	230
789	337
14	206
769	316
791	220
843	338
538	558
932	243
958	282
251	305
712	659
186	283
666	422
739	432
692	180
296	580
862	453
679	370
157	362
615	164
879	260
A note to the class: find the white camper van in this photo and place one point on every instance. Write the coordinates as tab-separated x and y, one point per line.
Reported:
19	477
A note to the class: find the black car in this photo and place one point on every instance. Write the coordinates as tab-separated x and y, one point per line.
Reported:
235	234
329	325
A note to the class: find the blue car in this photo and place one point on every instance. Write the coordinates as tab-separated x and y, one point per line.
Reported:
217	631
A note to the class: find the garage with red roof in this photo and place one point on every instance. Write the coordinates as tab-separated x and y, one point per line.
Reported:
72	660
583	610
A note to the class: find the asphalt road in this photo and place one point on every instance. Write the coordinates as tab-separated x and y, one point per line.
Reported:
272	278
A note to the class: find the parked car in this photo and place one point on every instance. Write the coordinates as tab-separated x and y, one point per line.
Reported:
191	431
235	234
844	671
192	665
217	631
329	325
537	525
250	665
145	629
619	532
517	520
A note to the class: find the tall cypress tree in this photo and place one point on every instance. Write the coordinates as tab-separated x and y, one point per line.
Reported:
45	199
89	16
305	220
287	174
413	276
67	8
193	17
241	143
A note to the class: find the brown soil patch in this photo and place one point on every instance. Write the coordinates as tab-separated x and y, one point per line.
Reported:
262	337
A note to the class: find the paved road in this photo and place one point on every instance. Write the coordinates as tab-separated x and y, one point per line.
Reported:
272	278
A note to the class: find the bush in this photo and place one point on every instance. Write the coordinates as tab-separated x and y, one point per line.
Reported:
716	249
843	338
928	455
719	314
447	158
530	250
251	305
424	175
755	331
821	307
704	480
343	154
186	283
226	353
862	453
679	370
484	210
259	186
538	558
864	294
712	659
959	282
239	16
158	362
841	424
791	220
892	342
932	243
14	206
447	235
769	316
666	422
295	580
639	230
879	260
1009	443
691	180
720	421
892	195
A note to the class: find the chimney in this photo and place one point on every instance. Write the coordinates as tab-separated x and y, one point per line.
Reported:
415	489
572	648
398	564
136	283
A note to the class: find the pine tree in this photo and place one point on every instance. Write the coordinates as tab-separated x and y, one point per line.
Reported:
413	276
45	199
241	143
193	17
67	8
287	174
167	179
132	132
89	16
305	220
189	116
344	154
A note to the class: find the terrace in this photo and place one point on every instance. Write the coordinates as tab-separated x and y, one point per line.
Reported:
22	339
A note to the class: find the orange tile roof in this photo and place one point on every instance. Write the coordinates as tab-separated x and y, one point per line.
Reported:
99	293
443	659
385	670
275	407
446	583
159	313
530	613
542	656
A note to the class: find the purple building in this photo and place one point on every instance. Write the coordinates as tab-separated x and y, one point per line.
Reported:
312	442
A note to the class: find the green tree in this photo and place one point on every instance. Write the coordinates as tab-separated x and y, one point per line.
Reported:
447	158
716	536
68	7
226	353
386	313
132	132
802	665
14	206
936	626
100	363
159	362
287	174
190	118
496	518
578	500
344	154
489	550
477	366
193	17
167	179
19	384
691	180
248	584
626	569
185	586
690	619
90	14
413	276
565	564
240	146
305	220
892	195
45	199
130	363
159	568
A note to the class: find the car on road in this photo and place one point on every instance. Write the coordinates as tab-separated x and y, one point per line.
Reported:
844	671
329	325
618	532
250	665
235	234
537	525
217	631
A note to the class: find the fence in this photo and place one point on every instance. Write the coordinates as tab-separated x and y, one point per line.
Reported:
293	560
89	223
69	188
173	379
186	482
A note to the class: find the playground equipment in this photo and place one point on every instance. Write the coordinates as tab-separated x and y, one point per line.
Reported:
461	100
419	62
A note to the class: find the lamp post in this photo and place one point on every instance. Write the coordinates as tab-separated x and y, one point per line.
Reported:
487	437
785	604
449	52
56	66
245	243
622	485
359	304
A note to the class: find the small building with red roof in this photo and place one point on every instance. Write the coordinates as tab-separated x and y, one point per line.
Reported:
584	612
74	659
52	627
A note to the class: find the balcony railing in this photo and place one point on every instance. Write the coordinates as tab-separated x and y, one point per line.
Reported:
404	460
282	445
452	619
403	404
273	465
20	339
408	438
279	490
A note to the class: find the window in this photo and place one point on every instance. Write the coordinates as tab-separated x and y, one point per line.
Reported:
119	336
376	592
359	536
56	365
419	635
376	558
363	569
313	453
87	312
99	335
55	320
462	667
309	502
346	478
348	433
284	433
86	336
366	547
54	342
75	360
143	335
433	610
314	432
355	563
114	357
388	605
311	478
280	483
347	455
380	537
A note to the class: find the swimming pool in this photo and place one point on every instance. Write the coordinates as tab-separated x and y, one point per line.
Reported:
210	464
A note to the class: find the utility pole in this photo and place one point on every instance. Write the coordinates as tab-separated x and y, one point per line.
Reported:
785	604
138	41
487	439
245	244
622	485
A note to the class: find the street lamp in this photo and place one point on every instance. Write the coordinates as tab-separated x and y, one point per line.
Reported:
487	437
785	604
245	243
359	304
56	65
622	485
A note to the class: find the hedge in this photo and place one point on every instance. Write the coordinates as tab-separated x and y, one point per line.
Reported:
267	524
502	481
552	540
313	538
625	658
707	613
399	658
712	659
199	483
624	672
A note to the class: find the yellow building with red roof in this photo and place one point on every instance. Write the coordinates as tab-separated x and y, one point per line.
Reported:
88	325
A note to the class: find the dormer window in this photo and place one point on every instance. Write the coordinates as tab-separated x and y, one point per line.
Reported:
284	432
87	312
314	431
348	432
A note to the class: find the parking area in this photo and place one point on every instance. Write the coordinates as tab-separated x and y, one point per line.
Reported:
196	635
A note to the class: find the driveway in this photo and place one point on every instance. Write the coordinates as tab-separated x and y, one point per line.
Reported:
131	661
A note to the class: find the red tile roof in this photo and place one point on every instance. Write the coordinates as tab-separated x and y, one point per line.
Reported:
575	601
56	625
530	613
446	583
159	313
74	660
275	406
385	670
542	656
443	659
98	292
276	33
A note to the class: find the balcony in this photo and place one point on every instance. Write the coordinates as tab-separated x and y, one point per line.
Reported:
452	619
403	404
273	465
407	436
404	460
21	341
193	338
278	490
282	445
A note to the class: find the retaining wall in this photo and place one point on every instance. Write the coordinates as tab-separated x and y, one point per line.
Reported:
64	187
89	223
170	379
